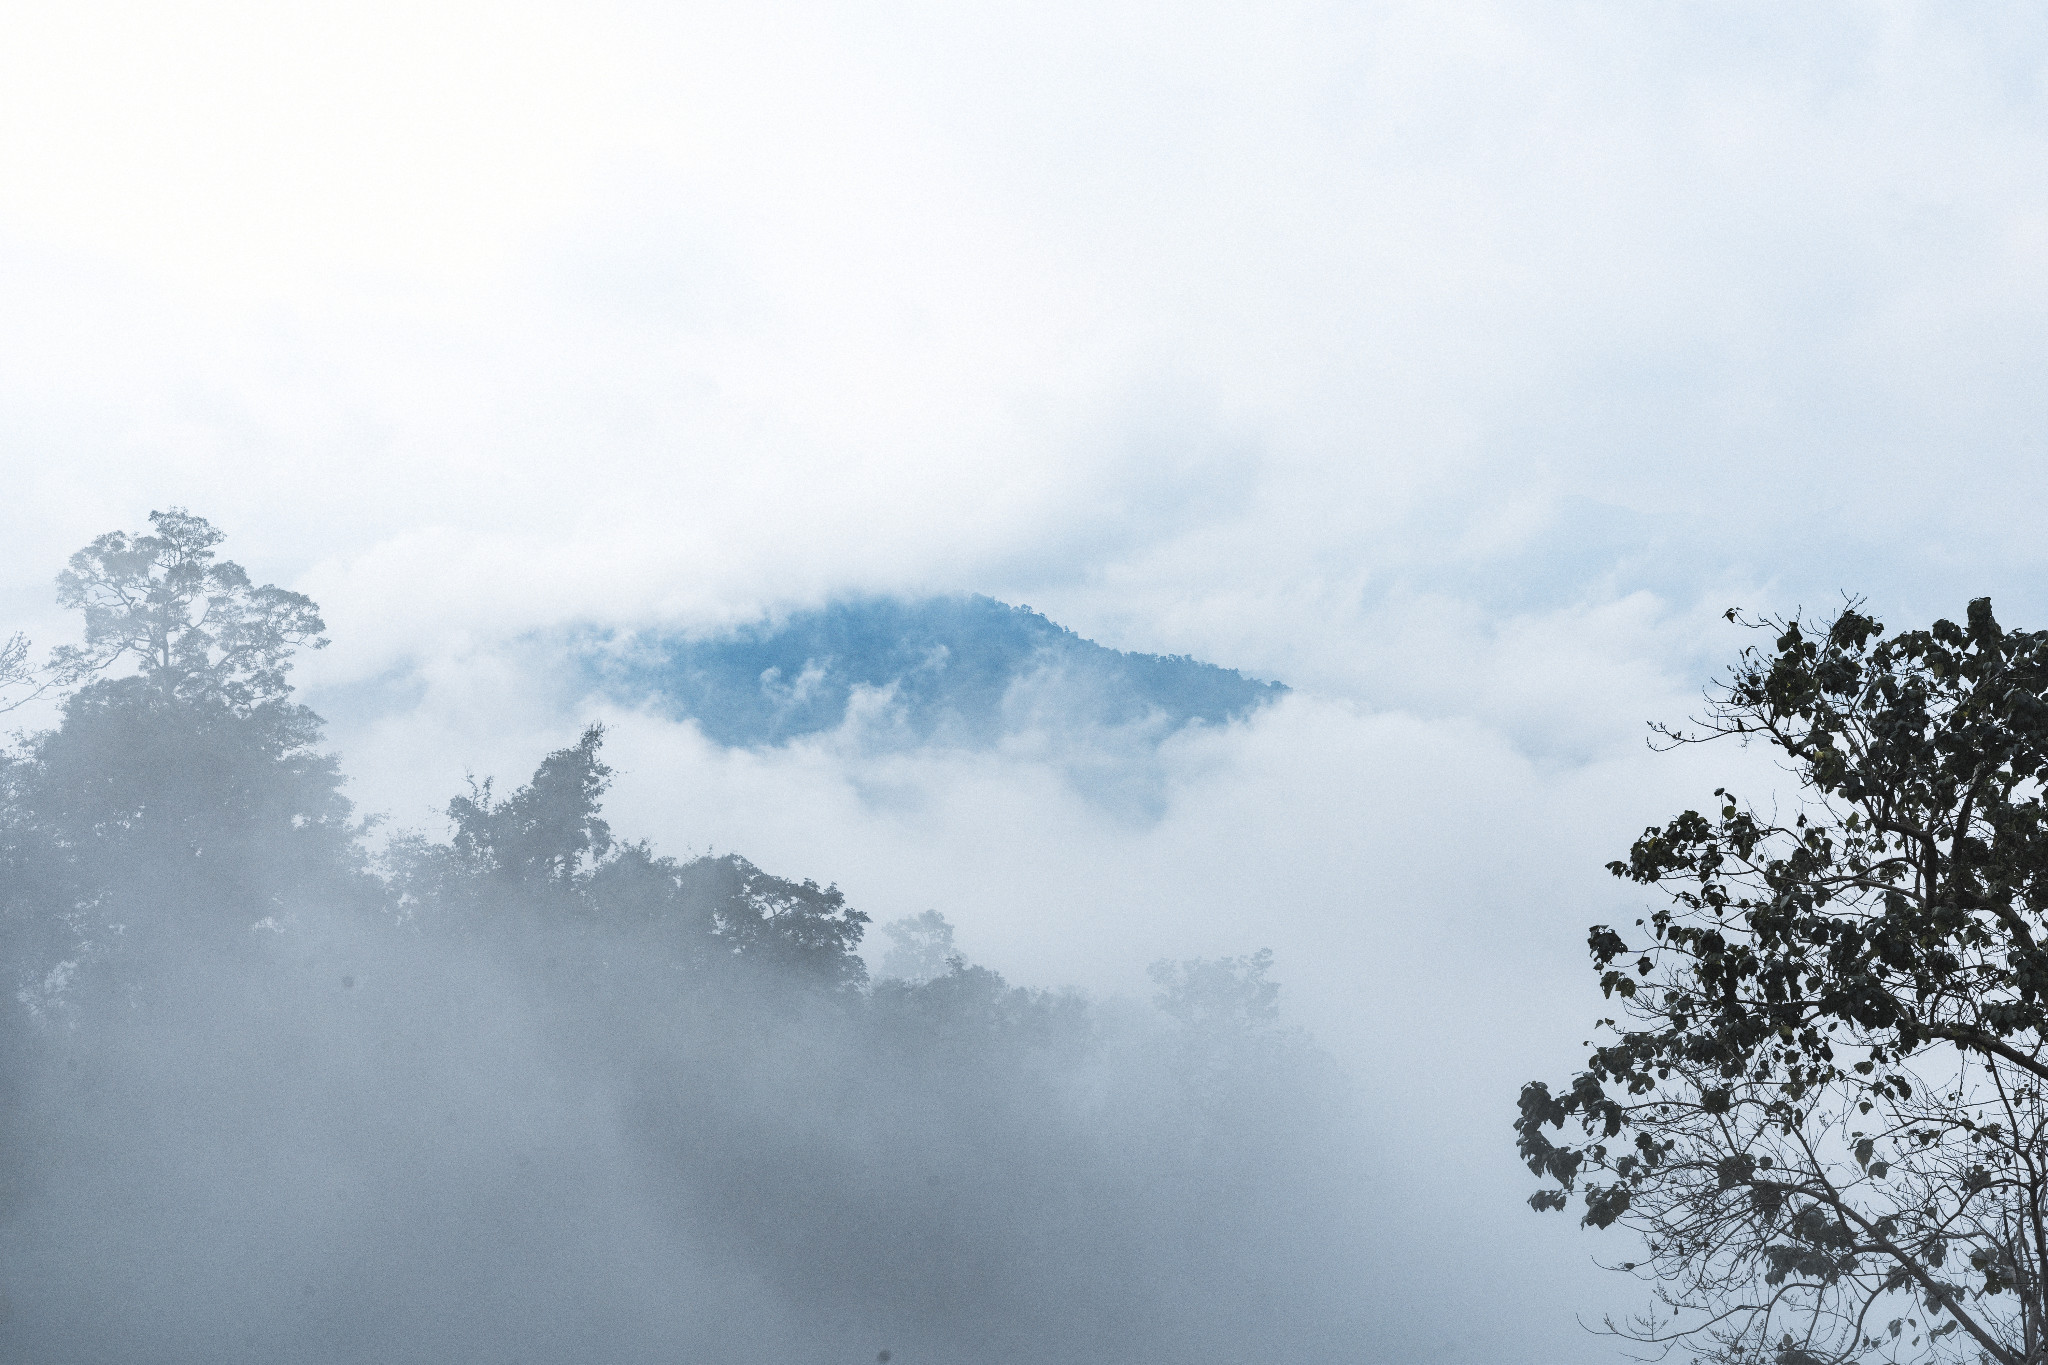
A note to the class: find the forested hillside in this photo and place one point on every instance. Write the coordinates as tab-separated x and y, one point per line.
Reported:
959	670
280	1087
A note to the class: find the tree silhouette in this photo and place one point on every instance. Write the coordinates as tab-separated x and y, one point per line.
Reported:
1825	1104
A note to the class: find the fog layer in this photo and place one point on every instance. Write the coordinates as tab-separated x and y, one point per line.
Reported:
524	1090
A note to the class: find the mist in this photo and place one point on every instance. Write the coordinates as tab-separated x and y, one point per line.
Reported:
526	1089
1454	367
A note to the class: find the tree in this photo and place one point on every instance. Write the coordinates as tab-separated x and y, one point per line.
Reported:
546	848
21	679
1823	1105
191	625
17	675
801	931
1220	996
186	800
547	832
920	948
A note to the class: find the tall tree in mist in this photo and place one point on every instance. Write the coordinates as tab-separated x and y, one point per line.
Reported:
192	624
182	796
546	833
920	947
1824	1108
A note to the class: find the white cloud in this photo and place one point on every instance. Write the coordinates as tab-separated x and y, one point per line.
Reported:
1456	364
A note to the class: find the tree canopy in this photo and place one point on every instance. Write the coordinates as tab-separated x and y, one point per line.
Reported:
192	624
1822	1105
183	797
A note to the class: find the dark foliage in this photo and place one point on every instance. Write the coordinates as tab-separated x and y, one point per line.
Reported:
1823	1108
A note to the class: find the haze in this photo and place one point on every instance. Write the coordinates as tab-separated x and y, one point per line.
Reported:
1455	366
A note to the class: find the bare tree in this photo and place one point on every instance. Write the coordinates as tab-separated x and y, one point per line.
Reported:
22	680
15	673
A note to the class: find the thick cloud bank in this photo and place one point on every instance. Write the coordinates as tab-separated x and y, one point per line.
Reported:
1457	364
1425	886
533	1094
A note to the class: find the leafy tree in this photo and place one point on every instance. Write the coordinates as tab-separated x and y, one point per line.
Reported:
1823	1105
187	799
1221	995
547	848
546	832
191	624
920	947
803	931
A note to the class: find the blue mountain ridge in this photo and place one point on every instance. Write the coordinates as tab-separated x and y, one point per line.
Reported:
957	669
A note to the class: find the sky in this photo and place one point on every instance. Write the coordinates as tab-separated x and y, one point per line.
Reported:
1455	364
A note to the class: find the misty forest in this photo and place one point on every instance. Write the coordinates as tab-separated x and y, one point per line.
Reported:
283	1084
1352	682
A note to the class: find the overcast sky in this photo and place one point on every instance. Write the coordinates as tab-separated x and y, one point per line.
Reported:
1456	364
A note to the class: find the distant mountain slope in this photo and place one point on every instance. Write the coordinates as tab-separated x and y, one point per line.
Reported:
962	670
